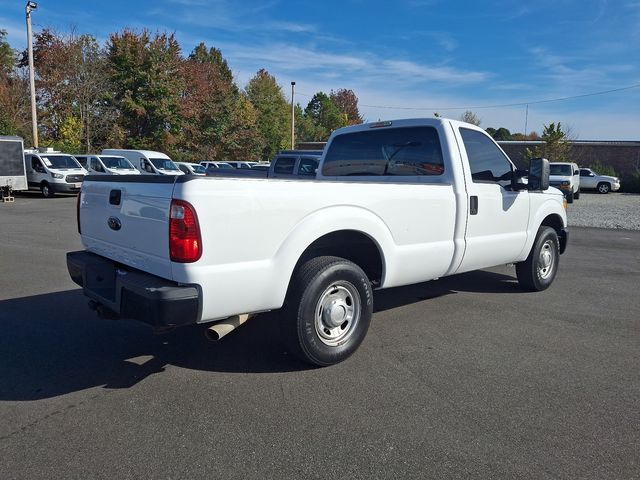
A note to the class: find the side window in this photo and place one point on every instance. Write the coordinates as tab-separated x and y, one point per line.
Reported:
37	165
487	162
404	151
184	169
308	166
146	166
284	165
95	165
82	161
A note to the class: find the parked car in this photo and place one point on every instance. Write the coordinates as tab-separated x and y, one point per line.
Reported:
241	164
211	164
106	165
191	168
261	166
147	162
53	172
566	177
603	183
393	203
295	163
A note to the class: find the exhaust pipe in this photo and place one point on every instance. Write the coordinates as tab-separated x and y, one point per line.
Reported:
220	329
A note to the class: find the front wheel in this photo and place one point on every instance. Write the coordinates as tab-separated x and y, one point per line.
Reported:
570	197
604	187
328	310
577	195
537	272
46	190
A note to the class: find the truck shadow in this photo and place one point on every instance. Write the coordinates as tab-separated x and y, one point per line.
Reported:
52	344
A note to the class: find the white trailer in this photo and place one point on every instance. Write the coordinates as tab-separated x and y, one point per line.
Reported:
12	172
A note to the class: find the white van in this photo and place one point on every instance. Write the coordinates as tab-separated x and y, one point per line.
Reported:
53	172
147	162
107	165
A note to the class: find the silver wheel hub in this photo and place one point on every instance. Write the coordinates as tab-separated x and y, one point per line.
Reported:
337	313
546	259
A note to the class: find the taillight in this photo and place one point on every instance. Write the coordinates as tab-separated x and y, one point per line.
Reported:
185	242
78	211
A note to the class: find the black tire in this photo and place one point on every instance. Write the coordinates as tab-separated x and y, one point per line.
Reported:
532	274
46	190
570	197
328	310
604	187
577	195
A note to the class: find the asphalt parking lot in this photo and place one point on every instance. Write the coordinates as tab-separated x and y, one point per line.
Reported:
464	377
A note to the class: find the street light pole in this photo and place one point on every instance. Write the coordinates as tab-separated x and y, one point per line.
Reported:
293	117
32	82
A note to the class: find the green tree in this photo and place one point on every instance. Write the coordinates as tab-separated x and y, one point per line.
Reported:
325	115
147	84
556	148
219	122
274	117
15	115
7	55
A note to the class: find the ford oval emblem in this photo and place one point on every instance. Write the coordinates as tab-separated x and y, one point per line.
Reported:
114	223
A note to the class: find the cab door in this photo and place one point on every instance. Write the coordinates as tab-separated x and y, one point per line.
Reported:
38	172
497	217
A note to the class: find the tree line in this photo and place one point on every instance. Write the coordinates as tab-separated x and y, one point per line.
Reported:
139	91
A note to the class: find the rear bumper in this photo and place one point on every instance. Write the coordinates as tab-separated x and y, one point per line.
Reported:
134	294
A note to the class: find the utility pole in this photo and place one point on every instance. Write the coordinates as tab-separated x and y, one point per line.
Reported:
526	121
293	118
32	82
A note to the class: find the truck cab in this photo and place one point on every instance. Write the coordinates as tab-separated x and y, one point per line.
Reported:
301	164
53	172
106	165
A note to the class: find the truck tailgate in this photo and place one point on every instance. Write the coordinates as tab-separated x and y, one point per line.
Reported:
126	219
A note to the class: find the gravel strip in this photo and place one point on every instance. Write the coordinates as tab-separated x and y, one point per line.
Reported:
614	210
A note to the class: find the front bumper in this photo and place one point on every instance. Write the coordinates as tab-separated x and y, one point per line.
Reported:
129	293
615	187
65	187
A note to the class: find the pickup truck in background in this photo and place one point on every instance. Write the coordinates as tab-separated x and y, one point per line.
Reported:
566	177
394	203
603	183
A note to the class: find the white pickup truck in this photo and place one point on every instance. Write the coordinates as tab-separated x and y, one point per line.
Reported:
394	203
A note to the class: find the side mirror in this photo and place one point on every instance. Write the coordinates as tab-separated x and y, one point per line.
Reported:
538	174
576	172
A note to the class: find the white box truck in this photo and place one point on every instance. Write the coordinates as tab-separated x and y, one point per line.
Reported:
12	173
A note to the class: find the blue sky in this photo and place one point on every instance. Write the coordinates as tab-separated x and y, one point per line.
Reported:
412	57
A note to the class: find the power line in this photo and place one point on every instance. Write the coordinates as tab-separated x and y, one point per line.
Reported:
503	105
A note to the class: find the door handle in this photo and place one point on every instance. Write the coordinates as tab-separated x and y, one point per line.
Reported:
473	205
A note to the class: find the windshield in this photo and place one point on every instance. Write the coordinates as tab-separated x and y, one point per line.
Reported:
560	170
163	164
117	163
60	161
198	169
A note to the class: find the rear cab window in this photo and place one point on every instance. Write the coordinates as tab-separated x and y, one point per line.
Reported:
284	165
392	152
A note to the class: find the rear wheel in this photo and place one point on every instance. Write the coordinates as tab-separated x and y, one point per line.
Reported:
537	272
46	190
604	187
328	310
